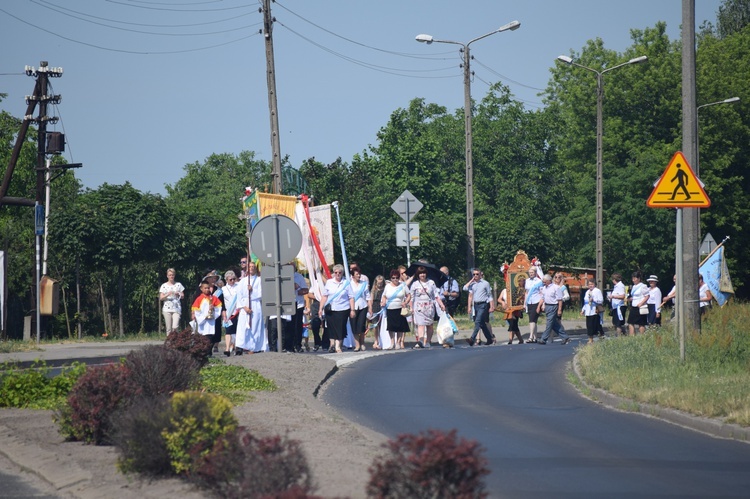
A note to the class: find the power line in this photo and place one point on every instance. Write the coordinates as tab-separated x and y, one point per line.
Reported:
374	67
140	31
137	52
503	77
400	54
130	4
50	5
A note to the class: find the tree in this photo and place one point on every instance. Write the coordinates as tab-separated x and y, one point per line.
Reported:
206	204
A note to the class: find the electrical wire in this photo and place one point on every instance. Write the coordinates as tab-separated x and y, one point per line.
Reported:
503	77
50	5
400	54
136	52
374	67
144	32
129	4
68	149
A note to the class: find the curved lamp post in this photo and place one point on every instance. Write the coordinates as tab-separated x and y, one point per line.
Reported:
730	100
428	39
599	168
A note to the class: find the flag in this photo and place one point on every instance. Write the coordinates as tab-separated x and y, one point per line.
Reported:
276	204
252	215
716	275
320	218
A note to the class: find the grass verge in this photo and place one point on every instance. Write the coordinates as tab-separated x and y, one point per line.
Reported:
713	381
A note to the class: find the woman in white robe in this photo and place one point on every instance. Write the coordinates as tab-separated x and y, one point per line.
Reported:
251	332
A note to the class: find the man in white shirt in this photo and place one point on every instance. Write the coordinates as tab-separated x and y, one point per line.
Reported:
552	301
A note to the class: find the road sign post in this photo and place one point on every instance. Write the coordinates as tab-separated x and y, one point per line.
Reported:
407	206
678	187
276	240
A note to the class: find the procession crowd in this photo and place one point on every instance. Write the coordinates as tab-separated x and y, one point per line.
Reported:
347	306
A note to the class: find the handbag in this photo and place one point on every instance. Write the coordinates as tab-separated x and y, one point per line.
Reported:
405	311
643	310
599	308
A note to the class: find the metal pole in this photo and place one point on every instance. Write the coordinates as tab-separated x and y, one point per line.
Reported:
599	181
680	291
38	293
279	305
470	250
46	216
408	235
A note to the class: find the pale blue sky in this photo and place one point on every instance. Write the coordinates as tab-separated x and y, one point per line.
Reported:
133	111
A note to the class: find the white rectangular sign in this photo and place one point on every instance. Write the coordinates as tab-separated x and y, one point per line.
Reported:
401	234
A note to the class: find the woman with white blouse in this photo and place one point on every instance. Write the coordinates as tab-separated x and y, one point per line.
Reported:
395	297
638	298
591	300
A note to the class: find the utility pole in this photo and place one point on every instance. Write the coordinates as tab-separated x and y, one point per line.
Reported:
273	110
687	255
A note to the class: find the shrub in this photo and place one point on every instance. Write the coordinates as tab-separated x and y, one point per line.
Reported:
242	466
93	400
195	345
159	370
33	388
432	464
137	435
198	419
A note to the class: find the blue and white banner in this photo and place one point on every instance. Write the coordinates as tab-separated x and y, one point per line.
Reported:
716	276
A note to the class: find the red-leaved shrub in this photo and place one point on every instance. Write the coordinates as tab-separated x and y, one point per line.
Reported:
93	400
159	370
432	464
195	345
243	466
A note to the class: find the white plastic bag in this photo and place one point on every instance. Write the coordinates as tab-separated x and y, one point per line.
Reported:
445	330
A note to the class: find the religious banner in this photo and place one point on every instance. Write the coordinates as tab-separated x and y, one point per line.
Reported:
320	217
515	277
276	204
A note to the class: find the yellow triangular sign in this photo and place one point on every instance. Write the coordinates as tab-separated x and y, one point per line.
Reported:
678	187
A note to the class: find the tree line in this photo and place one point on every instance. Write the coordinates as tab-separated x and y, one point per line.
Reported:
534	187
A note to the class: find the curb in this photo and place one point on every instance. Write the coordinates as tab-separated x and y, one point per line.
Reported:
711	427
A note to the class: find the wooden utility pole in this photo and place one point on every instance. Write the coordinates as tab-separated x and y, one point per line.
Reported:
273	110
687	283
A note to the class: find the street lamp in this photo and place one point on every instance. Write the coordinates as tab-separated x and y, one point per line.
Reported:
599	168
428	39
730	100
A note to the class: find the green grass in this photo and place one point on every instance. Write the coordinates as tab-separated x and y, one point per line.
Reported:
713	381
233	382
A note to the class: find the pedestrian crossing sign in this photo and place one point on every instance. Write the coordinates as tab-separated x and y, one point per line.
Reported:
678	187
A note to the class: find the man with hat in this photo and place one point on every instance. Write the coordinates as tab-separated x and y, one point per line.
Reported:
654	301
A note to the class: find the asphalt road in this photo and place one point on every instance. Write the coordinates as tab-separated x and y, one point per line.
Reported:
542	438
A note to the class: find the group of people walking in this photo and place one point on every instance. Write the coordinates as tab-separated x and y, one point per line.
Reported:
230	309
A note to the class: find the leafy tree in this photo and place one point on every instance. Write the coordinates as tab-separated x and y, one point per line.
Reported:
206	205
732	17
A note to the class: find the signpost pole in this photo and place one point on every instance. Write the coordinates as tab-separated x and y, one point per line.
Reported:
408	235
680	292
277	270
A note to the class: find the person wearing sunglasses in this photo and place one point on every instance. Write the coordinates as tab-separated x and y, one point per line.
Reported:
337	305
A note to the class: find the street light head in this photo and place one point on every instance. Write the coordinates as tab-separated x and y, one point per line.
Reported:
565	59
512	26
731	99
638	59
425	39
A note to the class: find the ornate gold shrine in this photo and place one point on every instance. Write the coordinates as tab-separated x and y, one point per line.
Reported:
515	277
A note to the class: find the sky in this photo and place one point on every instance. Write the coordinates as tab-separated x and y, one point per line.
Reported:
150	86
